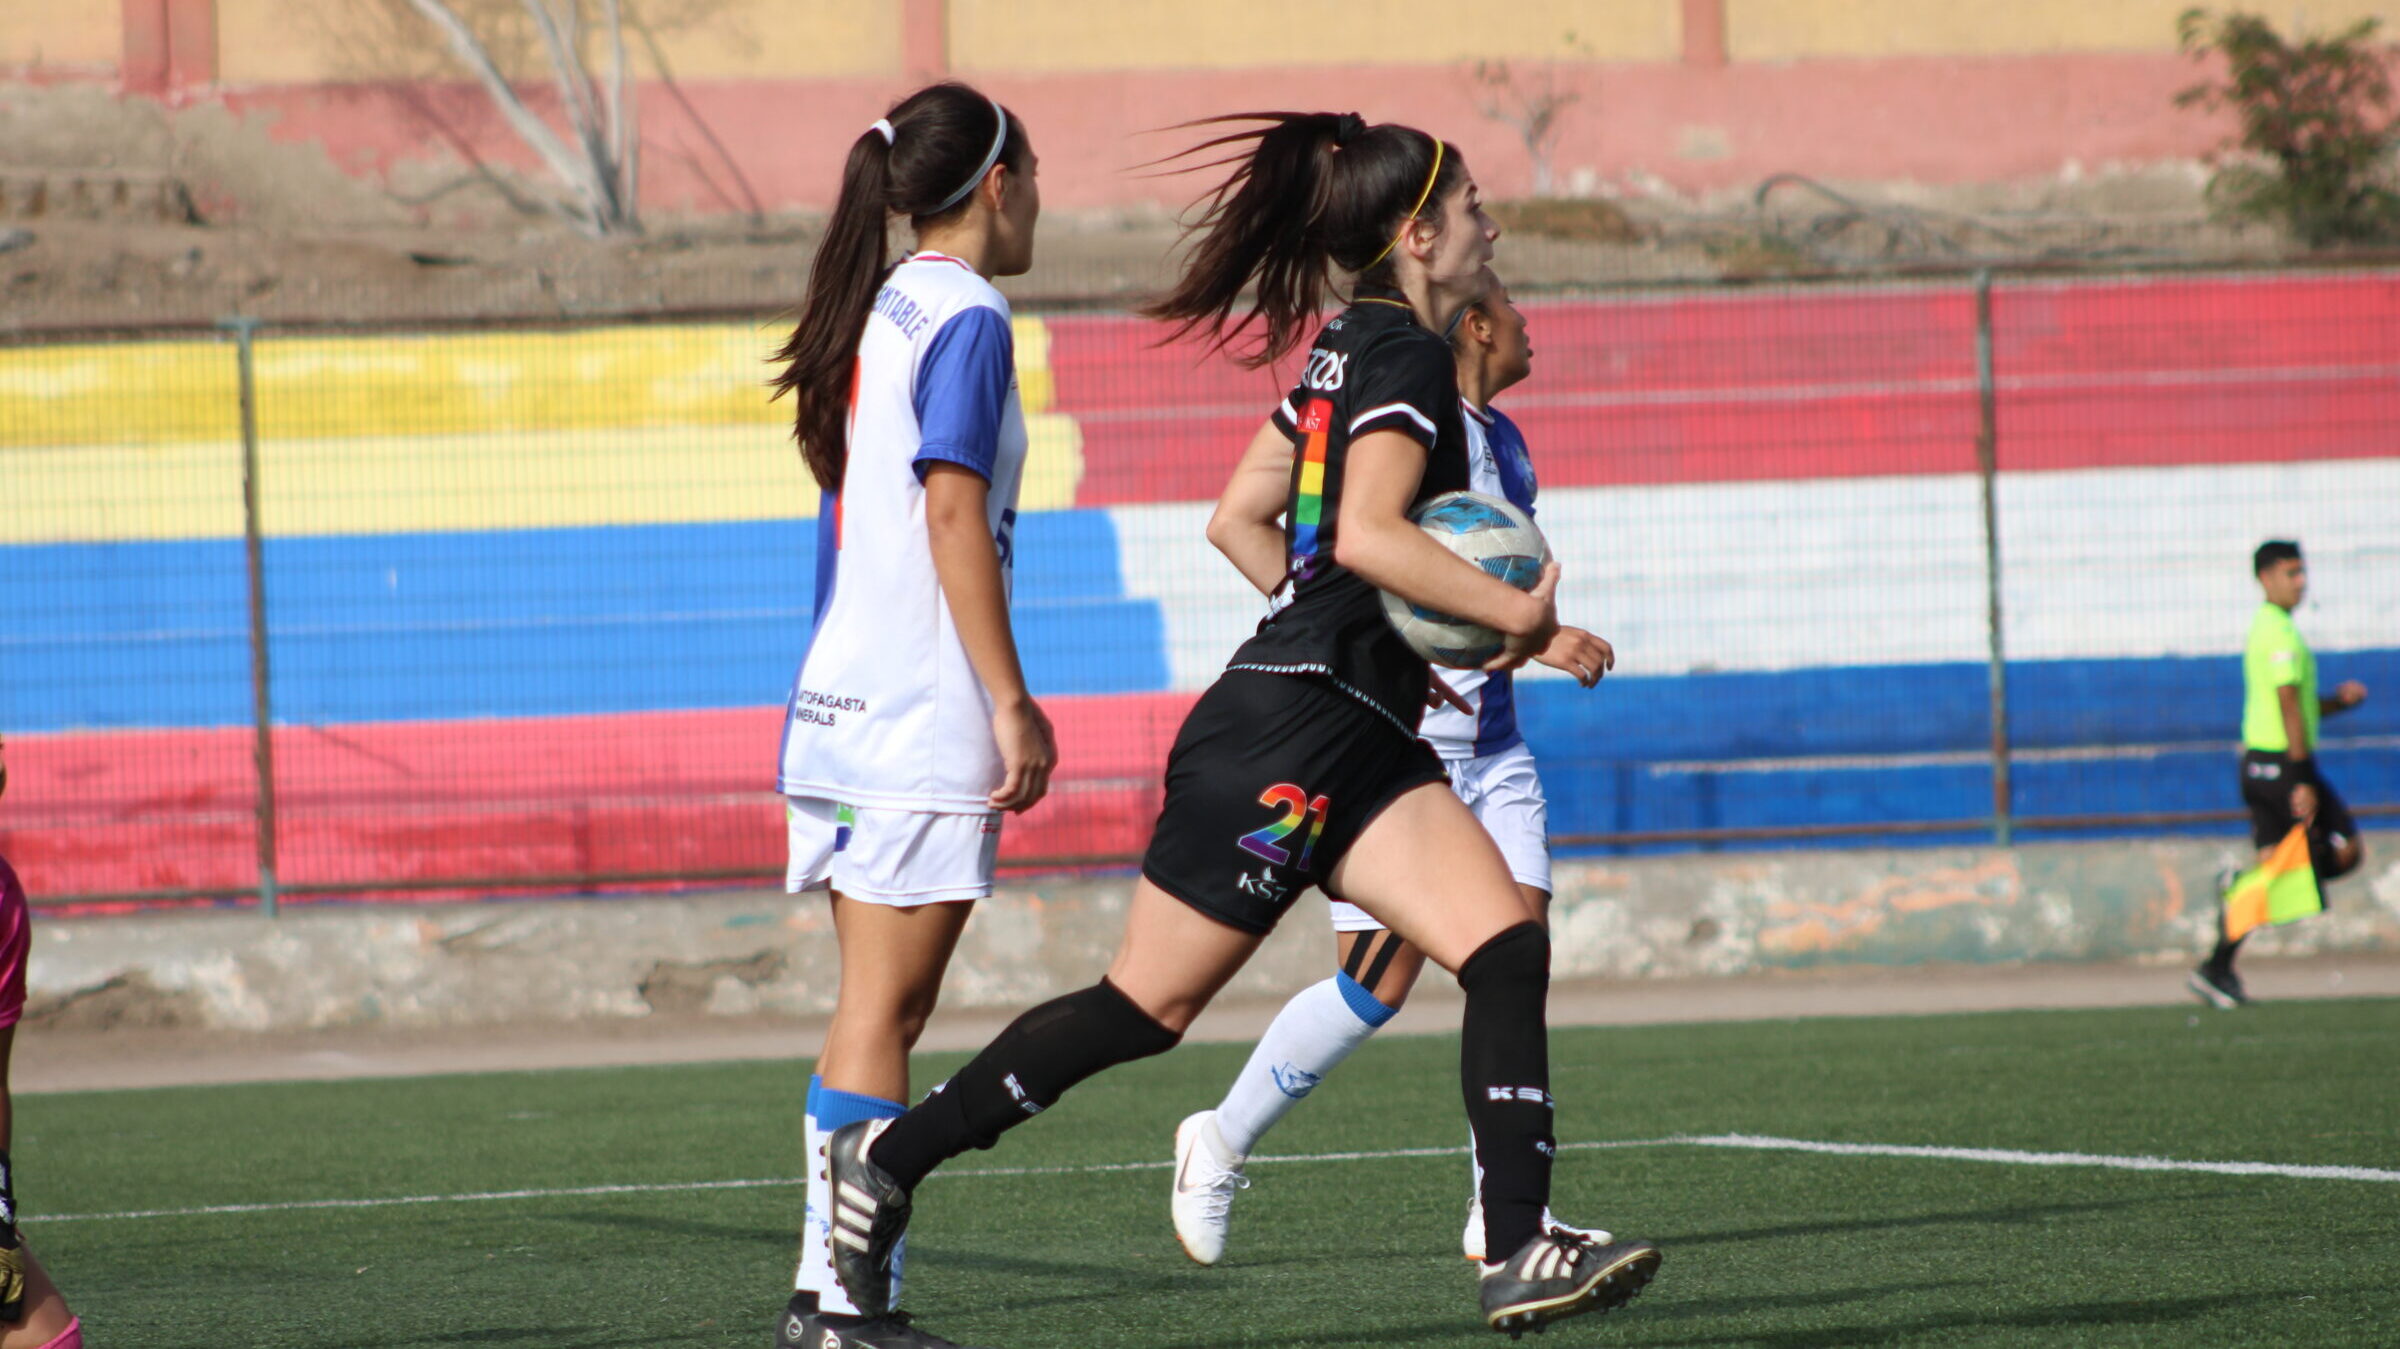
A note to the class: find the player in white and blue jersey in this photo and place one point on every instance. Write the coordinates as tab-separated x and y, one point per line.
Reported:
1474	731
909	731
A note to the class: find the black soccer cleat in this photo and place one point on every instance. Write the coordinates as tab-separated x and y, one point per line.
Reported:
870	1215
804	1327
2219	988
1560	1274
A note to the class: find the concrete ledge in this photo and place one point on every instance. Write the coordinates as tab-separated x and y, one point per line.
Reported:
752	953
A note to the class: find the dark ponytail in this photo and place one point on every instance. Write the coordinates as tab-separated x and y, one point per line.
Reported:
926	171
1309	192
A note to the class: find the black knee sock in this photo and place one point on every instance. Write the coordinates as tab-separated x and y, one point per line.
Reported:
1504	1069
1018	1075
2221	959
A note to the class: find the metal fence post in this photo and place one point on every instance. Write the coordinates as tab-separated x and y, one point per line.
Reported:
1987	462
262	710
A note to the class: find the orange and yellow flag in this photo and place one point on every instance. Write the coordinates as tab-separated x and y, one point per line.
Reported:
2278	890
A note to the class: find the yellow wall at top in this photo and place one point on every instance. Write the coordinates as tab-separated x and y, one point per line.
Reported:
61	32
1063	35
315	41
1784	30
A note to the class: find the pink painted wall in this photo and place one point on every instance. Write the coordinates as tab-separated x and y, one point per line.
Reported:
1932	120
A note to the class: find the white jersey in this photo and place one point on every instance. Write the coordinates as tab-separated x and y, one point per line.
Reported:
1497	465
886	710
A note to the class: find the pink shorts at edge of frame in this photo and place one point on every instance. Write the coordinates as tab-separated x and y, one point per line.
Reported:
16	938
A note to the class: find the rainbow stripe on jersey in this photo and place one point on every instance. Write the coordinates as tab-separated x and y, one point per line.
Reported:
1308	496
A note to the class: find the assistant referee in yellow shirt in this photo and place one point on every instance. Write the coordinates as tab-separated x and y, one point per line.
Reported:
2280	781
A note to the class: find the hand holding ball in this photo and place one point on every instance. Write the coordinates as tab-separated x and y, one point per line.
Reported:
1492	534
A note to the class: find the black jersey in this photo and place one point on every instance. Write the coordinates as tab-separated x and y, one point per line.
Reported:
1373	368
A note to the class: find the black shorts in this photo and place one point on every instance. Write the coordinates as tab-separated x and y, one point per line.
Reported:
1271	780
2267	790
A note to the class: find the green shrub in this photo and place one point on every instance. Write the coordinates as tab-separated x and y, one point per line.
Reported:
2316	131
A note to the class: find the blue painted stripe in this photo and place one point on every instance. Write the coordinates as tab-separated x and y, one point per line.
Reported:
1920	709
1589	796
496	624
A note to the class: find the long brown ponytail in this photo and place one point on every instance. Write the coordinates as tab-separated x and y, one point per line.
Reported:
919	161
1309	192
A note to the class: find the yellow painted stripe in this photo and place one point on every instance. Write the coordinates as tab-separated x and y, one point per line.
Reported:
475	431
1312	477
164	393
1786	30
407	484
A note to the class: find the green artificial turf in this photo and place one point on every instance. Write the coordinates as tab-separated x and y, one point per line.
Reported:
1762	1247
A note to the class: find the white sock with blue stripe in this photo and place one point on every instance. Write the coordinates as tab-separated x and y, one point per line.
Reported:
829	1110
1309	1038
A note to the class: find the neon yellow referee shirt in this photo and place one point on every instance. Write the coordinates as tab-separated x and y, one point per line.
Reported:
2274	658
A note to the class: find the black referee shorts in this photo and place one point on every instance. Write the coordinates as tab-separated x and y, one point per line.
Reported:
1271	780
2267	789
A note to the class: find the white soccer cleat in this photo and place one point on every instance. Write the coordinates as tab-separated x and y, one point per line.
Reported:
1471	1245
1206	1175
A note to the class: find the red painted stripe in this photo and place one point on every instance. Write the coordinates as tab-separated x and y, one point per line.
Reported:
646	792
1832	383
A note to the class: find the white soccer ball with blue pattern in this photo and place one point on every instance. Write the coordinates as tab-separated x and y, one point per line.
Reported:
1492	534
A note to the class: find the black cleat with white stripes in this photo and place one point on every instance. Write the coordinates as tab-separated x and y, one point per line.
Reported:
1562	1273
870	1215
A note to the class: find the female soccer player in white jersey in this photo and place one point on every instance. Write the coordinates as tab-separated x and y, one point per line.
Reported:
910	729
1489	765
1300	766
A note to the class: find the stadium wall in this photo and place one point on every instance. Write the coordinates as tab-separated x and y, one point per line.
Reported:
534	599
1694	94
737	955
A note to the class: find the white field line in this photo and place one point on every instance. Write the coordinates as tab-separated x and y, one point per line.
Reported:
2013	1157
1755	1142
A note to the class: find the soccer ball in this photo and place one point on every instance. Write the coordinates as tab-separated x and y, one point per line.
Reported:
1493	535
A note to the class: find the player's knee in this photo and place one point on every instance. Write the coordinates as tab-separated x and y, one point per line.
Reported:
1518	958
893	1018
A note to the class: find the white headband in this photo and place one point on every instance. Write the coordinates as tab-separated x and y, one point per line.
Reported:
883	128
990	157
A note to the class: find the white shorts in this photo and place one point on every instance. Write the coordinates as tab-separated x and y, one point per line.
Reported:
898	857
1504	790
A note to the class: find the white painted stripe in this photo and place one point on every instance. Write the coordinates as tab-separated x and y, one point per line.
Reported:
2014	1157
1411	413
2098	564
1756	1142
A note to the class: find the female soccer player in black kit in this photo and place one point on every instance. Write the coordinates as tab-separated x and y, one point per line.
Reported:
1301	765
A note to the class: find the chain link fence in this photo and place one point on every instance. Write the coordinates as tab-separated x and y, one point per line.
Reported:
464	610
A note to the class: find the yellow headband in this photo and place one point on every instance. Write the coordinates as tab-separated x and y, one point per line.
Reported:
1411	217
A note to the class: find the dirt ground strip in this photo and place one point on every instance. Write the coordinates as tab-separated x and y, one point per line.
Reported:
120	215
120	1059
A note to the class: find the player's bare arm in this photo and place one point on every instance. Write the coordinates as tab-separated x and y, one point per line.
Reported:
1581	654
1379	542
967	565
1247	526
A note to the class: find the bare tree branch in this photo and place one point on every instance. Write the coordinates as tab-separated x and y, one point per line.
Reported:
666	79
583	114
531	129
626	140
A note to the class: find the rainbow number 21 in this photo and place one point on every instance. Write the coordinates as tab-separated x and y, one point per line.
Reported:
1296	807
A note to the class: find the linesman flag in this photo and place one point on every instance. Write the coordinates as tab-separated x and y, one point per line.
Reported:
2278	890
